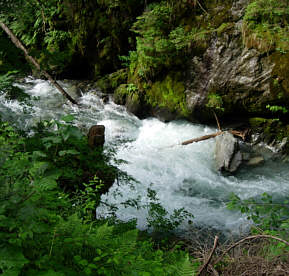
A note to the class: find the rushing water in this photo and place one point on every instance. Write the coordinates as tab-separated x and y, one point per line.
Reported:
182	176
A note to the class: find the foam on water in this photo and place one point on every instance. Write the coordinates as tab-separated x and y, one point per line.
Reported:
182	176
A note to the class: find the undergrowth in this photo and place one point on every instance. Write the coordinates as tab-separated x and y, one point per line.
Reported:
45	231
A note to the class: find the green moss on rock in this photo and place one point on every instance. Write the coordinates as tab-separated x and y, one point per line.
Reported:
120	94
280	73
257	122
270	129
110	82
168	93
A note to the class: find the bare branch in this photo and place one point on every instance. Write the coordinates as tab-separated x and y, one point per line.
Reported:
203	268
249	238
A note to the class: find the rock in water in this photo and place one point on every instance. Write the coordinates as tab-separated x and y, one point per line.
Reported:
228	156
96	136
256	161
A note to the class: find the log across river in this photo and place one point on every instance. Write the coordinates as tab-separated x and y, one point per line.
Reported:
183	177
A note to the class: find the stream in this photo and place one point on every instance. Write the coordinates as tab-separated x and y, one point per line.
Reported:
182	176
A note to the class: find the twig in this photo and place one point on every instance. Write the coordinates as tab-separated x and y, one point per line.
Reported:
202	8
210	256
218	123
250	238
215	272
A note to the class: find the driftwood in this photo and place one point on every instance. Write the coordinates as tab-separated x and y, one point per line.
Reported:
19	45
213	135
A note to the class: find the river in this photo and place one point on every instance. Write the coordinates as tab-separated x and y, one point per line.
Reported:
182	176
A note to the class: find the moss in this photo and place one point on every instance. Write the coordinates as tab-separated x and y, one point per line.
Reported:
266	26
168	93
120	94
118	78
218	12
280	72
257	122
271	129
110	82
224	27
133	103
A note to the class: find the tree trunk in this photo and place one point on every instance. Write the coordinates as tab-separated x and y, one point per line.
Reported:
19	45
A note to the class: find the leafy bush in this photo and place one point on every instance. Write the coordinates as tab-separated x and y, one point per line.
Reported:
67	151
46	232
270	216
162	40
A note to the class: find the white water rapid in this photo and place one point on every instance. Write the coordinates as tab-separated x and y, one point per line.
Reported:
182	176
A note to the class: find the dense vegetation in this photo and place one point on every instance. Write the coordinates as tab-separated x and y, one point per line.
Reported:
45	231
49	182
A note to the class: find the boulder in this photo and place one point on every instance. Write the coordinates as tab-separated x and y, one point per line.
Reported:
227	153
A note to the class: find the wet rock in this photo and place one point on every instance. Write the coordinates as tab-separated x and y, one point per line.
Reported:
96	136
163	114
105	98
119	96
74	91
227	153
133	104
256	161
238	9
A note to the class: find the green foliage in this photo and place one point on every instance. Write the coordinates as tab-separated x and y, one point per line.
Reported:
215	102
277	108
162	40
265	212
158	217
46	232
66	149
65	35
267	26
11	58
270	216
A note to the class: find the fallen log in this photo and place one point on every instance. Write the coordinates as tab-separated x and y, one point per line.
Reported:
213	135
202	138
19	45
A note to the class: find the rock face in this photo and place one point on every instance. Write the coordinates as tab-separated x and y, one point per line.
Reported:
241	76
227	153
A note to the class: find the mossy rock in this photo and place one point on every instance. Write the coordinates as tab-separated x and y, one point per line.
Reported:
280	73
110	82
133	103
257	122
270	129
168	93
120	94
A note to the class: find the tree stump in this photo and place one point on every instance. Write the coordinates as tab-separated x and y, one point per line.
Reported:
96	136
